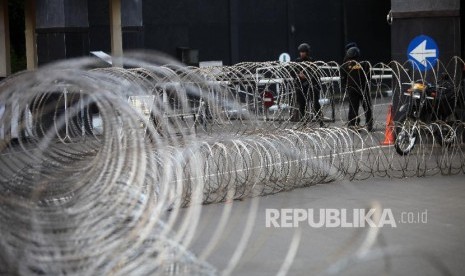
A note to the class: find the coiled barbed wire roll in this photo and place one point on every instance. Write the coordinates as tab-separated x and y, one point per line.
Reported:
81	198
80	204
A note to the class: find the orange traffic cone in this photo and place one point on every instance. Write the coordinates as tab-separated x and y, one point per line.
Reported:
389	134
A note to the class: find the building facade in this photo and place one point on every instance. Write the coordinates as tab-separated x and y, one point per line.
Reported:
228	30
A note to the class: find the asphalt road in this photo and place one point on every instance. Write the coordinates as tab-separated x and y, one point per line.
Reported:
416	246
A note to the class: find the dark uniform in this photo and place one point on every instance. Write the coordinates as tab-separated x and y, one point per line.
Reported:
308	90
355	77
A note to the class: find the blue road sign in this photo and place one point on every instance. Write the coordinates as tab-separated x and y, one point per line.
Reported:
423	52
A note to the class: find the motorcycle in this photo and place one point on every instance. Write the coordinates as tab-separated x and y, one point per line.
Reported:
430	106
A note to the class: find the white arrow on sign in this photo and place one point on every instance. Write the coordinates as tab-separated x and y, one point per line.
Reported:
420	53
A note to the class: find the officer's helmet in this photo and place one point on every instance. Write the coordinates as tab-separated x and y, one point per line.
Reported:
304	47
353	52
350	45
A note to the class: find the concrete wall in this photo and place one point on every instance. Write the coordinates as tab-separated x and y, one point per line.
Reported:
227	30
132	24
50	14
239	30
424	5
61	13
62	29
99	26
462	28
210	29
73	28
365	22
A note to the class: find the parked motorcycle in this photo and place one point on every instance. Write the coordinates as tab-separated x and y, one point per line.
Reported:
427	105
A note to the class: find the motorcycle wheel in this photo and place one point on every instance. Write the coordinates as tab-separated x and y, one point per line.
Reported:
406	136
445	136
447	133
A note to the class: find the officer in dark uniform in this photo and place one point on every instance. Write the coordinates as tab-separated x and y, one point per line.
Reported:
355	77
309	86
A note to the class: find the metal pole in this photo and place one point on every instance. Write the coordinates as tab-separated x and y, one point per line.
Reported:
30	33
5	59
116	34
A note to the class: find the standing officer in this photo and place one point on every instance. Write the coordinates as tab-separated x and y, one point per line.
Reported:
309	85
355	80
